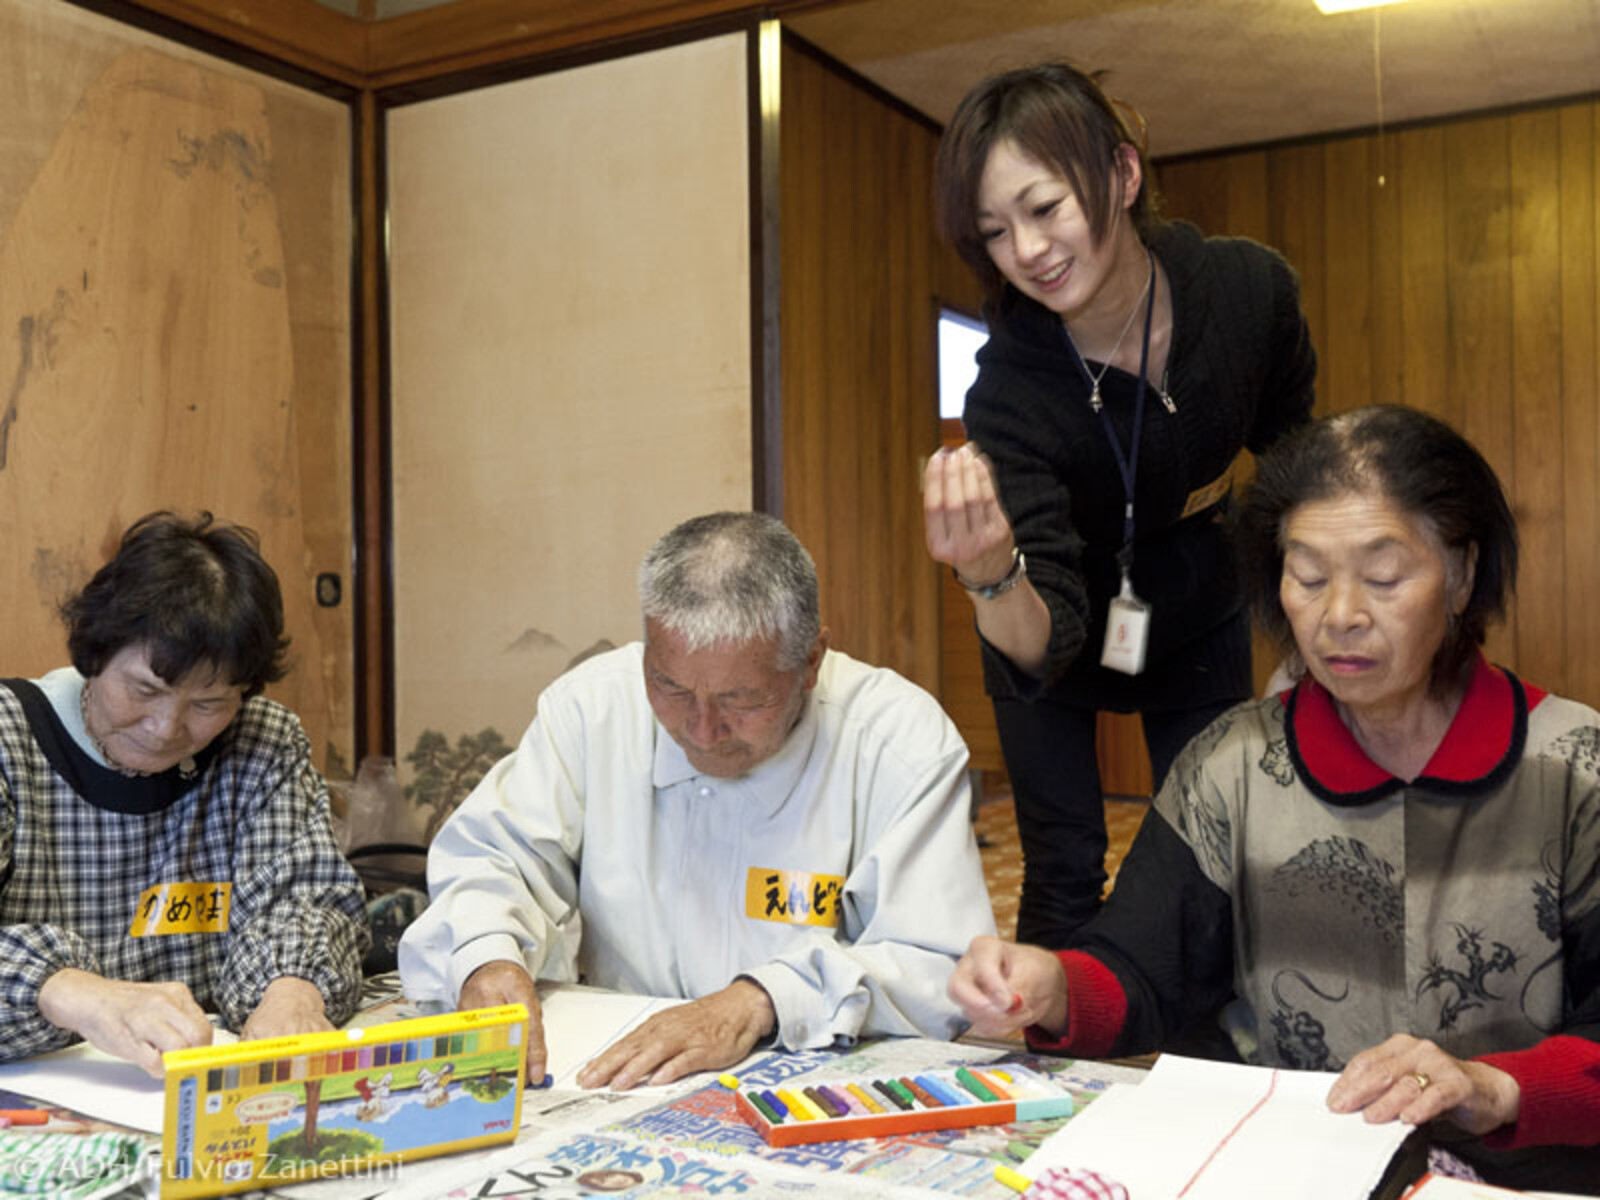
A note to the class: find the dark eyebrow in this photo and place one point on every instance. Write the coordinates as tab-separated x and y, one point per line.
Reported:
1376	544
1020	198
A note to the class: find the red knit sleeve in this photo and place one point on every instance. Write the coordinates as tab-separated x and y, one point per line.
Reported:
1560	1082
1096	1009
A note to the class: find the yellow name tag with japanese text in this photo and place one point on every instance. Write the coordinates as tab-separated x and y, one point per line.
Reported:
182	908
1204	497
793	897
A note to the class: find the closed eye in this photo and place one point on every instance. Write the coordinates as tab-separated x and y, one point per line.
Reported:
1044	210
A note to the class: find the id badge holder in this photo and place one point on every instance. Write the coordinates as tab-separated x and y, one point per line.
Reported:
1127	631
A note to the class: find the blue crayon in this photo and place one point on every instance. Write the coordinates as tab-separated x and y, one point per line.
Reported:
761	1106
777	1105
950	1098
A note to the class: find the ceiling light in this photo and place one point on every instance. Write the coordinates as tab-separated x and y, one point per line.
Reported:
1343	6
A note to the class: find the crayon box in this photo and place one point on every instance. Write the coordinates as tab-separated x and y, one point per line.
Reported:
294	1109
838	1110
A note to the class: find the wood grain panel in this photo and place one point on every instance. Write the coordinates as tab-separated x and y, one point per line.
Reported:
860	402
174	253
1124	759
961	687
1465	286
1386	291
301	32
1478	232
1345	375
1296	201
470	34
1202	185
1579	236
1248	187
1534	140
1418	165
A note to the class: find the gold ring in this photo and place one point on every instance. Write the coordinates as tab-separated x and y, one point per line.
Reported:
1421	1080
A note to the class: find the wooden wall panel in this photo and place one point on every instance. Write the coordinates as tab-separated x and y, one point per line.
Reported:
174	283
1465	285
1419	178
1346	341
306	33
1477	226
960	656
570	283
469	34
1579	236
859	393
1535	268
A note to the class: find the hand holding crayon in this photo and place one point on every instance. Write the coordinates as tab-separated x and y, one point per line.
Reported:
1002	987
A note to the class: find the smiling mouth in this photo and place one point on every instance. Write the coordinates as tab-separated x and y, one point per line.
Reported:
1053	277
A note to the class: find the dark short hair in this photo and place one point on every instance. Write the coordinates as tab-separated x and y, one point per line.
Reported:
193	592
1058	115
1423	467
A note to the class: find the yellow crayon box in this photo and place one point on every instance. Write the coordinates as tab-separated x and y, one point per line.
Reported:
293	1109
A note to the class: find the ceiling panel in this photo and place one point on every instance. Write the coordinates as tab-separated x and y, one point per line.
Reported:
1208	74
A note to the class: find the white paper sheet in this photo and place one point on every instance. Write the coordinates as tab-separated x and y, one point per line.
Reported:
1223	1131
94	1083
579	1023
1436	1187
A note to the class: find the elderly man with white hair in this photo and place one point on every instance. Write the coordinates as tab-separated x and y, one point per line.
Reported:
729	812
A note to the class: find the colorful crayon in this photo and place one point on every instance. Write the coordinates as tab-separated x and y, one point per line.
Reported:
862	1108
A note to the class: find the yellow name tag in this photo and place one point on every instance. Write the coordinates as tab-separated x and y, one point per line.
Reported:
182	908
793	897
1205	497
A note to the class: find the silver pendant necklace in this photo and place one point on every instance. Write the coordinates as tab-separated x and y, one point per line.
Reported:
1095	402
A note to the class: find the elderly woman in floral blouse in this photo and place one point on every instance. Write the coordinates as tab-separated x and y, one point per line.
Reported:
1395	863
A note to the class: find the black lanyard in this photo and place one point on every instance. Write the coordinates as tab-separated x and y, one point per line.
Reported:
1127	464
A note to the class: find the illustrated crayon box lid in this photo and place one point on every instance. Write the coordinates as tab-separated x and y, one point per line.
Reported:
311	1106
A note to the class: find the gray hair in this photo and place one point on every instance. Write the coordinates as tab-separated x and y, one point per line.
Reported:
733	577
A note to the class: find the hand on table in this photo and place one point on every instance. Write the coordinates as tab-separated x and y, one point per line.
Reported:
505	982
962	518
289	1005
1005	986
703	1035
1415	1081
135	1021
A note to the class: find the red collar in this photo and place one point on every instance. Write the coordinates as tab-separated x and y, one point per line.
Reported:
1483	743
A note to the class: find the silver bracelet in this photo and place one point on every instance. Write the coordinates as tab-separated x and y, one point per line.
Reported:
988	591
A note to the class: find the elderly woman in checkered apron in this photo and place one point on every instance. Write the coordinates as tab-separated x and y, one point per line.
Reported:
164	838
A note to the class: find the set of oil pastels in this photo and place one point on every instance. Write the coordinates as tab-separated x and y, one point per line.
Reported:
865	1108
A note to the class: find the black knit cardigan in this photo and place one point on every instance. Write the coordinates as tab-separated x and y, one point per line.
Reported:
1241	371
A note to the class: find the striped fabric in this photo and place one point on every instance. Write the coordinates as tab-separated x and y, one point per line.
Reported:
69	1166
